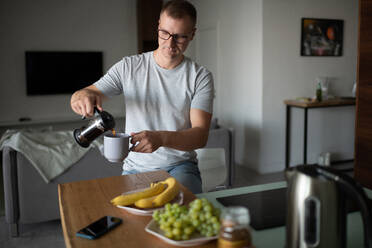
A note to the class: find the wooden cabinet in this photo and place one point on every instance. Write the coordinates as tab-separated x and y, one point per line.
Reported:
363	125
148	12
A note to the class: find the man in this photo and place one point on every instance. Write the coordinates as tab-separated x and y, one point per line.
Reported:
168	100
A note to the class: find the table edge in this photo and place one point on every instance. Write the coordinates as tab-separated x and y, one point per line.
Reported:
63	222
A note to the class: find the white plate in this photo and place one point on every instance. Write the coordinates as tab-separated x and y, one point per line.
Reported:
196	239
148	211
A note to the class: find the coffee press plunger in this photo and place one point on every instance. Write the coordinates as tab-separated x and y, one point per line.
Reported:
101	122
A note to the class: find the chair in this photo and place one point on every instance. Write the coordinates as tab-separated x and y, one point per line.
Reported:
216	159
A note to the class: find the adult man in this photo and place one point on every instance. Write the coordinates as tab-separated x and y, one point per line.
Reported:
168	99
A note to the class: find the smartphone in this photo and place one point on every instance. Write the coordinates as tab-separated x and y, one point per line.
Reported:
99	227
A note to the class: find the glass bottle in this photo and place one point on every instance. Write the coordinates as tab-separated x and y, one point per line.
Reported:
319	92
234	231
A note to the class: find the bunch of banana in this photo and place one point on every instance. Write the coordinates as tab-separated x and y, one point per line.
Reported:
128	199
157	195
162	198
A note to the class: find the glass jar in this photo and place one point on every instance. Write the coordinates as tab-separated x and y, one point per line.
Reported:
234	231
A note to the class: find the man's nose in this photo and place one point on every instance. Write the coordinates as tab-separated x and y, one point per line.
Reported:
172	40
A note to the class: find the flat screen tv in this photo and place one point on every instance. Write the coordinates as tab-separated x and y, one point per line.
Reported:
61	72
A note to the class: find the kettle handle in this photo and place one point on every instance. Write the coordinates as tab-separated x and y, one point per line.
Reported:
355	191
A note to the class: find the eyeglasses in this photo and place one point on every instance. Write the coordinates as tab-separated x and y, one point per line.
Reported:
178	38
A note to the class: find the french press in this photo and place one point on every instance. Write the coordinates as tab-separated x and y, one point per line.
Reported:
101	122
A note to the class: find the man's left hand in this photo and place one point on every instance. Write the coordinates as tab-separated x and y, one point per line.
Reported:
146	141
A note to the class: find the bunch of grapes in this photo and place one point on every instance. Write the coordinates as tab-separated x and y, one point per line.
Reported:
204	217
179	222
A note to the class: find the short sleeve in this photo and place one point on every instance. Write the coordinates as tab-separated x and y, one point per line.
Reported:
111	83
204	92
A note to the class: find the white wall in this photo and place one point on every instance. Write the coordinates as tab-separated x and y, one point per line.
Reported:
287	75
54	25
259	65
237	70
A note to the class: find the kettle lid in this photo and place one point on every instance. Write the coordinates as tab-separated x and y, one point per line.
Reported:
310	170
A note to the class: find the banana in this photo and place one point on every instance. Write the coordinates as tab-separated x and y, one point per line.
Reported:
164	197
128	199
145	202
172	190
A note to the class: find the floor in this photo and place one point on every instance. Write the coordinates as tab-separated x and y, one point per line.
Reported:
49	234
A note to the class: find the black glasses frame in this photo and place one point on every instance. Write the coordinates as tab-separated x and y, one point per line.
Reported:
174	36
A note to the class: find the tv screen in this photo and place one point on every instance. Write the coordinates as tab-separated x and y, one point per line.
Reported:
61	72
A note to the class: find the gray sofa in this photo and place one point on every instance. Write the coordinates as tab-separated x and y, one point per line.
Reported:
28	199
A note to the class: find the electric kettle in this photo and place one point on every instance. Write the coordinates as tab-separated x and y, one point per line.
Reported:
316	207
102	121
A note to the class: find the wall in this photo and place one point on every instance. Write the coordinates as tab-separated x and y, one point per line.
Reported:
83	25
287	75
232	32
259	65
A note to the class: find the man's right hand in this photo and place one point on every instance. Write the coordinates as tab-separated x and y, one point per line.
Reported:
83	101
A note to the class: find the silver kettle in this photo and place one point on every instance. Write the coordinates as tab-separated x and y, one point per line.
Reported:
100	123
316	207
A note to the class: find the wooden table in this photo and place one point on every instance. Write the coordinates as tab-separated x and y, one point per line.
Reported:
336	102
83	202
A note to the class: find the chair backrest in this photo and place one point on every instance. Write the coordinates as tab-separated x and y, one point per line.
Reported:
213	169
219	140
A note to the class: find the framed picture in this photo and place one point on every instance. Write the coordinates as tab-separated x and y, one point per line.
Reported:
321	37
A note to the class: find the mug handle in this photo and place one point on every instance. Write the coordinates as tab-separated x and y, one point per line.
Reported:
130	148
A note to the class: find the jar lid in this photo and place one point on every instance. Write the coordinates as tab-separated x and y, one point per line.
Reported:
236	215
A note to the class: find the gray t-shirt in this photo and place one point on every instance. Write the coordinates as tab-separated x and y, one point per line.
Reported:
158	99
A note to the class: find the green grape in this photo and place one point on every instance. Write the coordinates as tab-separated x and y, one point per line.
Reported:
195	223
185	217
216	226
177	224
214	219
169	234
171	219
207	208
194	216
167	206
208	215
176	231
201	217
185	236
188	230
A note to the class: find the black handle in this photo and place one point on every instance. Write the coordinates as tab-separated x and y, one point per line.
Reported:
353	190
96	111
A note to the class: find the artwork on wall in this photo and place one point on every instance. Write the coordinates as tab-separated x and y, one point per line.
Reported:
321	37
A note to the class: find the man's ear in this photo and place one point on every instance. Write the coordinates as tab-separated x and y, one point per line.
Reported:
193	34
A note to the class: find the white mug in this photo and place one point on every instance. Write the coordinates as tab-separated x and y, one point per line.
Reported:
116	147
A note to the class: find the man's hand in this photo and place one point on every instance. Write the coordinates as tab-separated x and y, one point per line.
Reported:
84	100
147	141
183	140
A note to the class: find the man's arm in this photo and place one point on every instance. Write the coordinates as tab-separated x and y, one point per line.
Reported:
83	101
184	140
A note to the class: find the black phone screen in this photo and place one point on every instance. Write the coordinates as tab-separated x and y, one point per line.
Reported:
100	226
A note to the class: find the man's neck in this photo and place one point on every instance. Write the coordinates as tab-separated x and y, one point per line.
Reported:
165	62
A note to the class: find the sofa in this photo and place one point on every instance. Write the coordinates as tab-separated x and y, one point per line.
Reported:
29	199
